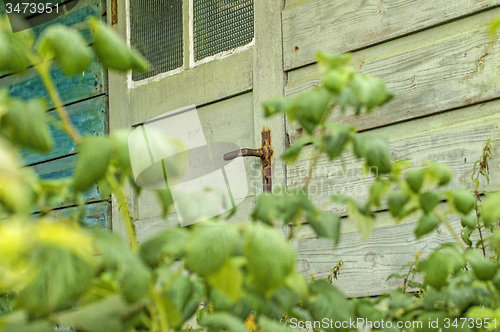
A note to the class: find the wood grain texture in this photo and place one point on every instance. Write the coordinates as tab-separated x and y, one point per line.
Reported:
61	168
453	138
447	67
88	117
368	263
207	83
71	89
97	215
230	120
346	25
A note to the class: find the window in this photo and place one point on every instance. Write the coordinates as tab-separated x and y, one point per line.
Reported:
216	27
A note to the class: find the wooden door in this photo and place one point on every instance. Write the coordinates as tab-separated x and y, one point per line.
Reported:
227	90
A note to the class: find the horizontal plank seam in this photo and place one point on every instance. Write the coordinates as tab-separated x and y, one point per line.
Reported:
432	114
245	91
63	207
313	62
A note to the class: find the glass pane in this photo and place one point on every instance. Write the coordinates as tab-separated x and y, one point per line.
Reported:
156	31
221	25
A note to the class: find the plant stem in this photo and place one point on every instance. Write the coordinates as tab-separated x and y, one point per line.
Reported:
451	230
43	70
159	309
480	232
123	207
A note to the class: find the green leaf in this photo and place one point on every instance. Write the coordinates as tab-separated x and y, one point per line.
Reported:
426	224
67	46
378	156
484	269
267	271
102	316
164	197
132	273
92	161
120	149
269	325
396	201
223	321
113	51
332	60
169	243
463	200
415	178
209	247
440	264
14	47
228	280
291	154
61	276
429	200
336	143
490	209
285	205
337	78
277	105
327	301
465	234
493	27
26	123
325	225
377	191
370	91
468	221
311	108
441	172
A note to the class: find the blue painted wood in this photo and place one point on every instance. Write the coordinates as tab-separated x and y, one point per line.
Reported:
76	18
88	117
71	89
61	168
97	215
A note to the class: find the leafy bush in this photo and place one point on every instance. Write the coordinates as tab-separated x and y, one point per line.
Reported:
233	277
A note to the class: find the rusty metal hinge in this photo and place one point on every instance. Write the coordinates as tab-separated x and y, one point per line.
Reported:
265	153
114	12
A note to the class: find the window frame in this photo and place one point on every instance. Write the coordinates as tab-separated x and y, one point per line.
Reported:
187	50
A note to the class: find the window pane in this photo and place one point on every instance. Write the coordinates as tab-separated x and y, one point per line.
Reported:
156	31
221	25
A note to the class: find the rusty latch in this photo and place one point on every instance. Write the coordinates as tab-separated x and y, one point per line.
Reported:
265	153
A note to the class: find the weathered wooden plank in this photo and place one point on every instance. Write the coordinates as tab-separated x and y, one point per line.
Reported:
346	25
453	138
75	18
88	117
450	66
71	89
97	215
230	120
61	168
207	83
368	263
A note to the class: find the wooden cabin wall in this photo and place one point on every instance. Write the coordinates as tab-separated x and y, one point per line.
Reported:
86	99
437	59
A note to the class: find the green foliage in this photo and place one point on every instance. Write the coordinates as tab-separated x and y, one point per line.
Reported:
230	276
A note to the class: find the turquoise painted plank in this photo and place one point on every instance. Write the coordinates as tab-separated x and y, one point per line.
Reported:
61	168
71	89
76	18
88	117
97	215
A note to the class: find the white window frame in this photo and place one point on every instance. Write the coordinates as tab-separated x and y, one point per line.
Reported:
192	63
